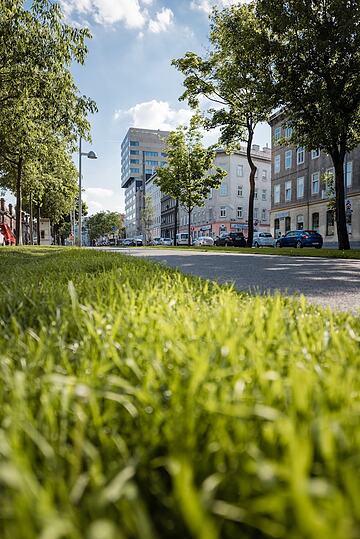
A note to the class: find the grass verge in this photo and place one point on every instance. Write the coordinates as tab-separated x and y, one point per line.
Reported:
285	251
137	403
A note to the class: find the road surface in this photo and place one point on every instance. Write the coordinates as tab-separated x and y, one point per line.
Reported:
326	281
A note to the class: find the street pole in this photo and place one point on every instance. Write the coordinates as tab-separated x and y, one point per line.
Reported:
80	202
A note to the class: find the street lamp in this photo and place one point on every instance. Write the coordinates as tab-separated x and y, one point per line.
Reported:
89	155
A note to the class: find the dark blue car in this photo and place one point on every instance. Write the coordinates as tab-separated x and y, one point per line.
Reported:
300	238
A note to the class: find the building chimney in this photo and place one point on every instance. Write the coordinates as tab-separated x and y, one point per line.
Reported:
10	209
2	204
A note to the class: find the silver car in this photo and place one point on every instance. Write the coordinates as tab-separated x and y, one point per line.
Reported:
263	239
204	240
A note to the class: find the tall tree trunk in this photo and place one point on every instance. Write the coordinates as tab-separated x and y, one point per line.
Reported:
253	170
189	227
338	158
176	220
38	223
18	215
31	224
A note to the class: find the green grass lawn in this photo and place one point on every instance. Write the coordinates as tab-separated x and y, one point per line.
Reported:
285	251
137	403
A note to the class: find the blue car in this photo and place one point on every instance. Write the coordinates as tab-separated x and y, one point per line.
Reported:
300	238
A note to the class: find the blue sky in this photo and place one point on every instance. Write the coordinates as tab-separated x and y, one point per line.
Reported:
129	75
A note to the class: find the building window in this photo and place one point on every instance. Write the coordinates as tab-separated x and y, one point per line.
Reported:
315	183
240	171
288	191
222	211
263	214
135	171
277	163
151	154
276	194
152	163
276	228
256	193
300	155
315	222
134	143
288	159
288	132
239	190
210	194
287	224
277	133
264	174
163	154
330	223
300	188
239	212
263	194
42	234
348	169
149	171
300	222
224	189
256	213
134	152
134	161
315	154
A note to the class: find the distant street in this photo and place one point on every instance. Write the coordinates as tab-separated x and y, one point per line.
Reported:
328	282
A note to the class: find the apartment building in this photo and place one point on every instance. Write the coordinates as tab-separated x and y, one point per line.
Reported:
226	208
300	188
153	197
142	152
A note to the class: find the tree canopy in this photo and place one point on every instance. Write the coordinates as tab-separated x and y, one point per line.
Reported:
233	80
104	223
315	68
190	172
41	104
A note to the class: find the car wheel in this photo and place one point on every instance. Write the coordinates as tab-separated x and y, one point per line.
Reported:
226	244
299	245
256	244
278	244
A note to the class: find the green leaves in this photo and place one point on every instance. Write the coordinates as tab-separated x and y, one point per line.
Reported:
141	403
104	223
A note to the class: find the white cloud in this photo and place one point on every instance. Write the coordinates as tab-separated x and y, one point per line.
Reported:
134	14
155	115
207	5
108	11
163	19
101	199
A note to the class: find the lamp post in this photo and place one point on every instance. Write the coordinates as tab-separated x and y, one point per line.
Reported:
89	155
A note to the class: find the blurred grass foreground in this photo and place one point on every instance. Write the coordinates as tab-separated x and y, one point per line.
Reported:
137	403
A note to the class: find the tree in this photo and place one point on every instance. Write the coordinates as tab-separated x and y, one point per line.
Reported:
104	223
315	61
147	217
40	101
190	172
234	76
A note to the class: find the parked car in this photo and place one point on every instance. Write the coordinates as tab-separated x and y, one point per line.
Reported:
166	241
156	241
204	240
183	239
129	242
231	239
263	239
300	238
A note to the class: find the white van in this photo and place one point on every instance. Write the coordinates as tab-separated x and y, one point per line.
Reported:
182	238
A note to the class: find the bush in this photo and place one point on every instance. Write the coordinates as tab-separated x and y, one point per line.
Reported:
139	403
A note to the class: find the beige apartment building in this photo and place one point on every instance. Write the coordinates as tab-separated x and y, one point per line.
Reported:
300	193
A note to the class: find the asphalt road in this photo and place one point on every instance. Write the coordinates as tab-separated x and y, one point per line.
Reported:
328	282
